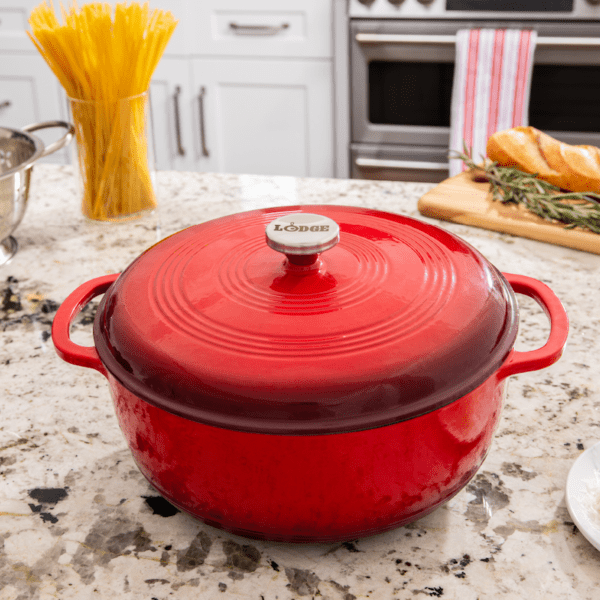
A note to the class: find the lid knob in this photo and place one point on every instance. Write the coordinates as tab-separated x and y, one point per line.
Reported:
303	234
301	237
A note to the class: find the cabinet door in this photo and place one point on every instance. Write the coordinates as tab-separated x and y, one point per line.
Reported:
30	93
171	103
265	117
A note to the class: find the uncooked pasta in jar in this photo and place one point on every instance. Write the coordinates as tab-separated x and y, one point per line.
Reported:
105	59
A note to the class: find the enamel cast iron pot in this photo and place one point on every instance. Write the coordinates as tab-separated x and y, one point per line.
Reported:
338	377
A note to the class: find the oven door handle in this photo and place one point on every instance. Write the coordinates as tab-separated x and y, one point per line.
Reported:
378	163
398	38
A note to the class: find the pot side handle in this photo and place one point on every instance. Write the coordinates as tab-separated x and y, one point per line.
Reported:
60	143
551	351
83	356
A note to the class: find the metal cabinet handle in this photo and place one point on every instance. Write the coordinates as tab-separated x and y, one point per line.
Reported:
5	104
378	163
180	148
257	29
393	38
205	151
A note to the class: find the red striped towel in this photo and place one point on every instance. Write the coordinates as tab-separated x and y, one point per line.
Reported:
492	81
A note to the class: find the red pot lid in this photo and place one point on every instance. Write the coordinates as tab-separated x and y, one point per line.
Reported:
394	320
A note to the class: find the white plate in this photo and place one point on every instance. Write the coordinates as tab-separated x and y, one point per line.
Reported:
583	494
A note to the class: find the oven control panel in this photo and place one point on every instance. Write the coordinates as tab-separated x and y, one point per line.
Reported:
478	9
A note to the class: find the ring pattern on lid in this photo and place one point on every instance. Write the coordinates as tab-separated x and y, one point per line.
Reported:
397	319
172	298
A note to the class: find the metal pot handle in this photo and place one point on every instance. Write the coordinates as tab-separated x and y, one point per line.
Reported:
63	141
83	356
551	351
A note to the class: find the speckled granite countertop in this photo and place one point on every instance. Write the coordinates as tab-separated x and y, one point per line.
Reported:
79	521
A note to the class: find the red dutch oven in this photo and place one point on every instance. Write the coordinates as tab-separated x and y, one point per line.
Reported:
343	388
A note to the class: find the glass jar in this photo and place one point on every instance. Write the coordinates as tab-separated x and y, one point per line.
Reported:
114	158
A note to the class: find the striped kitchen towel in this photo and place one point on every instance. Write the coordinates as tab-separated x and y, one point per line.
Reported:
492	82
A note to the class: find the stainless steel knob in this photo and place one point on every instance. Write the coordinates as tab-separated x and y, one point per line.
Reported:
302	233
302	237
425	1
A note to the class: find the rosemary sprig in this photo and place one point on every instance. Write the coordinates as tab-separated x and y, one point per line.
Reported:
509	185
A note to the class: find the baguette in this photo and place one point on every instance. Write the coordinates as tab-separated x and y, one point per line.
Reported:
572	168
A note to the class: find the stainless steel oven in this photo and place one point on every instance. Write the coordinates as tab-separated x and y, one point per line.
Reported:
402	67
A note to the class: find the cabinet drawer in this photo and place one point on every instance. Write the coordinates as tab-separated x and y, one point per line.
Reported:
269	28
13	23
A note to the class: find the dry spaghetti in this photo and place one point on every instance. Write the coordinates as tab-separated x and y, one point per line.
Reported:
105	60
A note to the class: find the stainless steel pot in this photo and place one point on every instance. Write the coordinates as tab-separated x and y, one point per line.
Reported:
18	152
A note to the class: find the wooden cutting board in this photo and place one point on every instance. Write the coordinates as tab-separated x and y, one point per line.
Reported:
461	200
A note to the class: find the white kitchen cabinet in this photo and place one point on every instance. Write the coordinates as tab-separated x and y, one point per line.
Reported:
263	87
13	24
264	117
30	93
266	69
